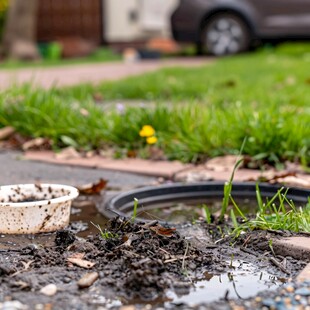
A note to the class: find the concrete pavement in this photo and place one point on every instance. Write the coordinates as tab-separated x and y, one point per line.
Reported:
48	77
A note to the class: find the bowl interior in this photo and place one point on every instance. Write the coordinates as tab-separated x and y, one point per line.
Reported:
31	193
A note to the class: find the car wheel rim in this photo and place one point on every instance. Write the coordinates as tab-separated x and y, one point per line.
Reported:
225	36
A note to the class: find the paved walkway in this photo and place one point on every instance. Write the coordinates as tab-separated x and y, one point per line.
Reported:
90	73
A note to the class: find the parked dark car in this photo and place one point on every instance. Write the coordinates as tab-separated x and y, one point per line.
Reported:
232	26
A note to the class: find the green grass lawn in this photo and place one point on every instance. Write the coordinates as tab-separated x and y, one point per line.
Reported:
263	96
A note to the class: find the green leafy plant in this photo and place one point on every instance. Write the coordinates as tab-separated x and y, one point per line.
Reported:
277	213
105	234
228	185
135	209
208	214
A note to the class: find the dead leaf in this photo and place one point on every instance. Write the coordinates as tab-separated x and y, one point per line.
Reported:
127	240
229	83
6	132
78	255
155	153
273	176
98	97
294	181
36	143
93	188
84	112
68	153
163	231
132	154
222	163
81	262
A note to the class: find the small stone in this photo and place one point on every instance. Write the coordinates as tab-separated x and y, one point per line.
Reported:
88	279
269	302
287	301
6	132
303	291
67	280
290	289
49	290
258	299
130	307
297	297
13	305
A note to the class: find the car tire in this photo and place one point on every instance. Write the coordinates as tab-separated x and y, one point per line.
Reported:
225	34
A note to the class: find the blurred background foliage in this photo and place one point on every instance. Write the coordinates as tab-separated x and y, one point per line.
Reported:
4	4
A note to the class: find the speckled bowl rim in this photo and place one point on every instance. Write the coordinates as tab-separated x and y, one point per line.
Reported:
73	193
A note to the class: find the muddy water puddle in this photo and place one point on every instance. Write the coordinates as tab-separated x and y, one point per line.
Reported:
189	210
242	282
83	214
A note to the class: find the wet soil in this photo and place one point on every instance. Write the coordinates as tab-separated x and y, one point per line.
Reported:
142	264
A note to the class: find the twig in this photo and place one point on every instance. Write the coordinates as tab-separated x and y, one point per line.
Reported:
246	250
26	267
165	251
246	241
278	264
185	255
175	259
150	224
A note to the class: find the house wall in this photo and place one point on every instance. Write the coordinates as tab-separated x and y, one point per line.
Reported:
134	20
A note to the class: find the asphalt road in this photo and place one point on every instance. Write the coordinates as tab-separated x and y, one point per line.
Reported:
15	170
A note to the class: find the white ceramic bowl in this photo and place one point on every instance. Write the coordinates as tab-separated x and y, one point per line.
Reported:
32	208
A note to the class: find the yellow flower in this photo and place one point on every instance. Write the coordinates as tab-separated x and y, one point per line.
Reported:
147	131
151	140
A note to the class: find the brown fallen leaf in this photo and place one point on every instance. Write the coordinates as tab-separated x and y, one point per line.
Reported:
6	132
98	97
36	143
274	176
93	188
68	153
293	181
163	231
222	163
81	262
88	279
132	154
78	255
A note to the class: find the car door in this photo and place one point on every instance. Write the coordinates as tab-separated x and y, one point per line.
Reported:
282	17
